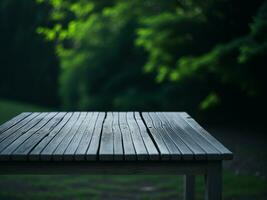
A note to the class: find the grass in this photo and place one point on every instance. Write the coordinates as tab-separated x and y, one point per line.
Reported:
238	187
9	109
122	187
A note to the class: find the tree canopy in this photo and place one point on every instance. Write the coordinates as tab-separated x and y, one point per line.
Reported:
205	57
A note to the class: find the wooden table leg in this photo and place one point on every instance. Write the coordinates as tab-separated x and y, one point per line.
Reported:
213	181
189	187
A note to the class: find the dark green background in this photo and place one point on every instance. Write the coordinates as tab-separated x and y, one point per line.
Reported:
207	58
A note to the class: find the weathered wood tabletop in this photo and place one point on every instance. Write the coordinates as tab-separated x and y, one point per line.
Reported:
80	136
113	143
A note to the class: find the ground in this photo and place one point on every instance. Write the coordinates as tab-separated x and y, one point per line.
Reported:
245	177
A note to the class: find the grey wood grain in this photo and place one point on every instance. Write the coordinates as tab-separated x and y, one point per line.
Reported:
186	153
17	126
92	152
118	145
35	153
8	145
199	153
227	154
138	142
211	151
106	151
156	135
128	146
6	154
47	152
75	142
173	149
86	138
52	119
13	121
58	154
107	137
150	146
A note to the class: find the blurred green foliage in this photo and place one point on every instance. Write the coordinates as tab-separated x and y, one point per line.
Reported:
205	57
100	45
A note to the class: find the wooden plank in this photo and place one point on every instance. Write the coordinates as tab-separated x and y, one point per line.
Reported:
155	133
32	140
17	126
173	149
138	142
125	135
199	153
35	153
6	154
150	146
6	146
106	151
86	138
128	146
93	149
227	154
75	142
211	151
47	152
58	154
187	154
118	145
13	121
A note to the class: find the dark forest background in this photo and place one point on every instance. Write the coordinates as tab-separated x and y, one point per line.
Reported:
204	57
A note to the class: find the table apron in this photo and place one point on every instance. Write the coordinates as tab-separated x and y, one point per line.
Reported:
103	167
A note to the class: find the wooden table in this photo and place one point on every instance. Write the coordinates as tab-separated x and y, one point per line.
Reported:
113	143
